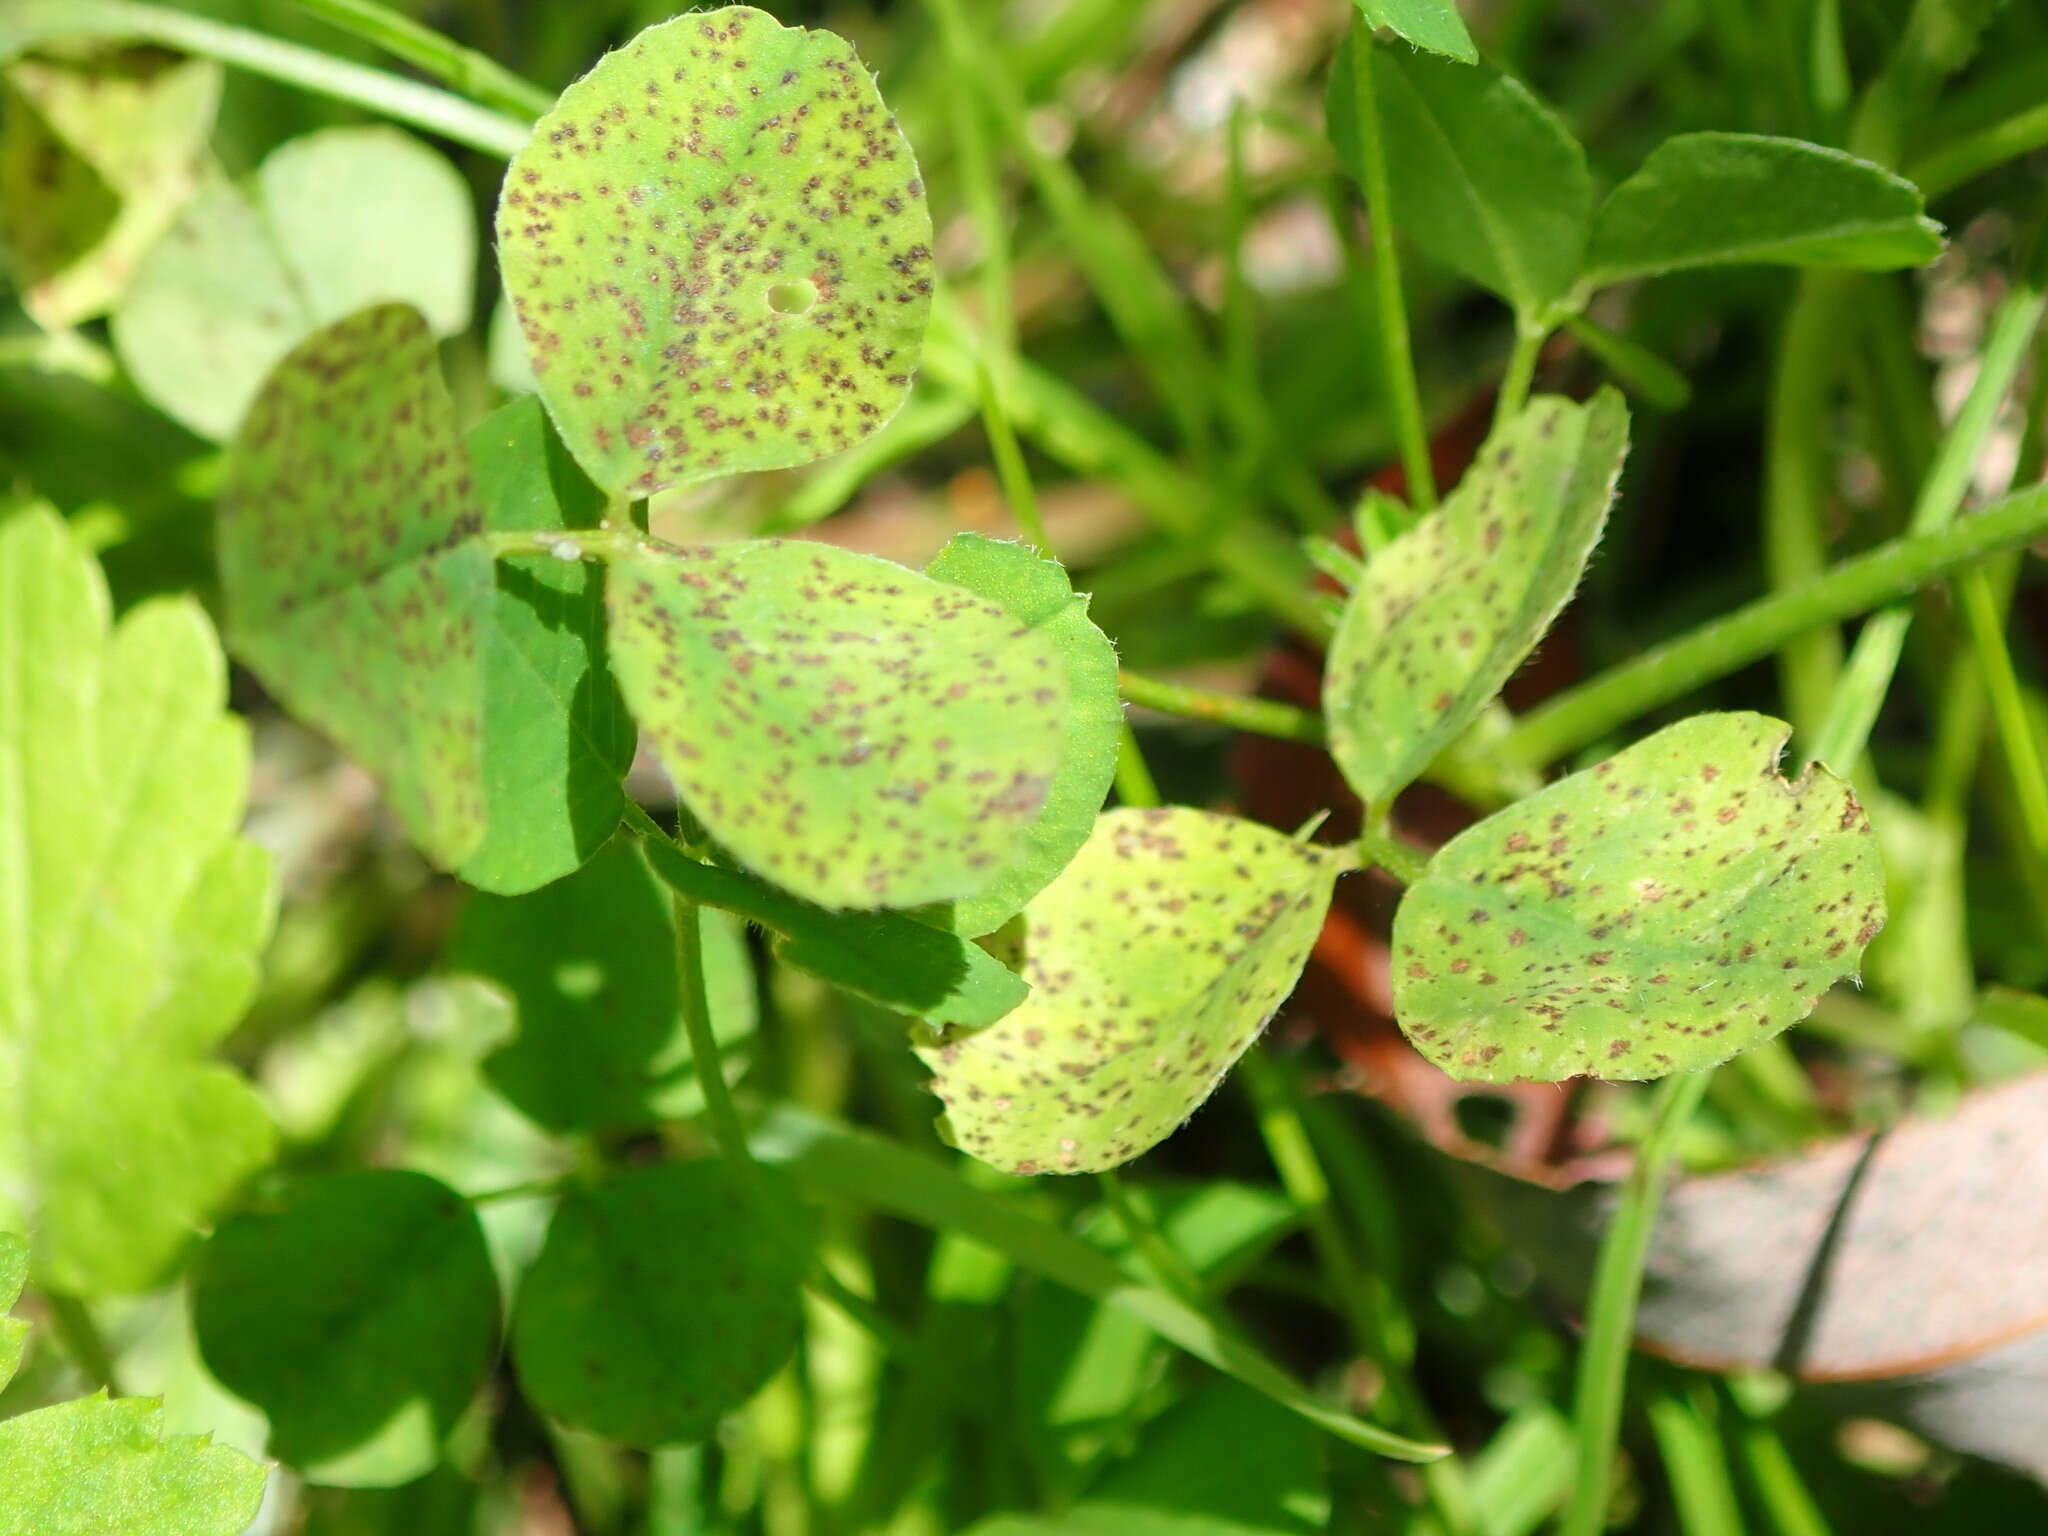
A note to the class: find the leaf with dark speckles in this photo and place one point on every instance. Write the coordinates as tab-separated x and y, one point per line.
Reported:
1446	612
1660	912
718	249
885	957
1036	591
858	733
355	589
1155	959
664	1298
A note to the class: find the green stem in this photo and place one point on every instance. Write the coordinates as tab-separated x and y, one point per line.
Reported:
1011	471
1611	1312
1135	785
1378	846
1984	617
609	543
1582	715
79	1332
1261	717
871	1319
1514	385
1634	364
476	75
32	21
1397	357
1167	1261
1845	730
696	1008
1953	164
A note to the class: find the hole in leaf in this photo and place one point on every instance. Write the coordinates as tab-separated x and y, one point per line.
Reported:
792	298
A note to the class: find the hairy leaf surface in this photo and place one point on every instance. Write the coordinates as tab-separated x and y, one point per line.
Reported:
331	222
1710	199
356	588
1036	592
1443	615
1154	959
1432	24
1658	913
97	155
103	1465
601	1044
858	733
718	249
131	919
664	1299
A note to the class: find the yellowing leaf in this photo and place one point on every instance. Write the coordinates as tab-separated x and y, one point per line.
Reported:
1658	913
1154	959
718	250
131	918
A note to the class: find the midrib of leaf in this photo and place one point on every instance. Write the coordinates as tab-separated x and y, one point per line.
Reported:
1489	226
1754	251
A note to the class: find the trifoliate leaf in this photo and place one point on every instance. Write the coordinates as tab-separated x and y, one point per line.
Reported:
664	1298
360	1316
356	589
96	1467
1154	959
1035	591
1661	912
856	732
886	957
1446	612
331	222
601	1044
131	919
96	157
718	249
1711	199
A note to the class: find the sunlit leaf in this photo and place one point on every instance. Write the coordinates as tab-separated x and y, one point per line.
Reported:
1432	24
1154	959
1484	176
98	1466
719	252
1036	592
1711	199
472	687
331	222
97	155
601	1043
1443	615
664	1298
1658	913
858	733
360	1316
131	920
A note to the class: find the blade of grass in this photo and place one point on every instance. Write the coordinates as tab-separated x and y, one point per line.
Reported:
1691	1447
1635	365
28	22
1984	617
1944	169
875	1174
477	76
1665	673
1611	1311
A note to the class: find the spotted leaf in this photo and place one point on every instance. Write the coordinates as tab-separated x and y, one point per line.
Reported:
1037	592
718	249
358	591
857	733
1154	959
1661	912
1446	612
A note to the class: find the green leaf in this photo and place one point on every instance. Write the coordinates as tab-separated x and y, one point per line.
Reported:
360	1316
1658	913
95	1467
1484	176
332	222
748	275
1432	24
1448	611
1035	591
586	961
1711	199
664	1298
858	733
97	154
473	687
131	919
885	957
1155	958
